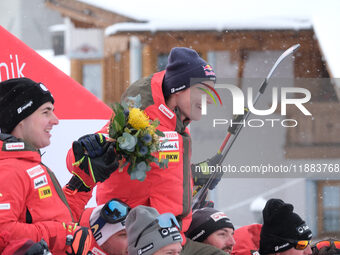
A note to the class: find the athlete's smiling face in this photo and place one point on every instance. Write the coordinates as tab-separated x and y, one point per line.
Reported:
36	128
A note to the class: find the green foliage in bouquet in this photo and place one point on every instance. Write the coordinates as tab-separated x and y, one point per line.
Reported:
136	136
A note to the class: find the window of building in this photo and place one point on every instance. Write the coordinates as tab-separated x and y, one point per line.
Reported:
162	61
92	78
328	207
58	43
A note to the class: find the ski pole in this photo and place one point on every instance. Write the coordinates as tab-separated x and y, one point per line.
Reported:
203	192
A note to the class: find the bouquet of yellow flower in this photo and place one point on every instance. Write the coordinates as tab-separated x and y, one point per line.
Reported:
136	136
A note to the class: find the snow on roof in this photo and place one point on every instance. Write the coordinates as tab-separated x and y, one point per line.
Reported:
219	15
264	23
213	14
57	28
326	29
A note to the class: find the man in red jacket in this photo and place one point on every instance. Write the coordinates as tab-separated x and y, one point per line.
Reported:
32	203
174	98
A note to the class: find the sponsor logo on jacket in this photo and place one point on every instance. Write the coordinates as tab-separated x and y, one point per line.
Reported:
96	251
165	110
35	171
15	146
169	135
171	156
45	192
169	146
5	206
40	181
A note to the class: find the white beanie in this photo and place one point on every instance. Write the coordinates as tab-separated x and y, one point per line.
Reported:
101	235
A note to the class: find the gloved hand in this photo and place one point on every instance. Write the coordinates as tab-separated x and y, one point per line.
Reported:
39	248
92	170
93	143
203	170
79	239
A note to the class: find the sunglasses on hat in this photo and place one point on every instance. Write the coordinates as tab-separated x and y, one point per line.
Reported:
114	211
165	220
322	244
297	244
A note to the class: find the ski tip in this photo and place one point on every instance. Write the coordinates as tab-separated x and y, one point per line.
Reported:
295	47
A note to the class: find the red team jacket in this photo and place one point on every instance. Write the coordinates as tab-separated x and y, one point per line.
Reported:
32	203
167	190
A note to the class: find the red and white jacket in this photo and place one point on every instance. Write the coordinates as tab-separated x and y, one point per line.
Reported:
32	203
167	190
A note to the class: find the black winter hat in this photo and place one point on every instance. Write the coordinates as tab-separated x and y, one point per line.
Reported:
19	98
206	221
279	224
183	65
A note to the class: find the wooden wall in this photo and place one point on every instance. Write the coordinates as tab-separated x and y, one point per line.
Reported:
310	140
308	61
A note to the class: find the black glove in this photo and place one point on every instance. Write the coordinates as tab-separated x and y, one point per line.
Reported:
93	143
39	248
92	170
80	242
203	170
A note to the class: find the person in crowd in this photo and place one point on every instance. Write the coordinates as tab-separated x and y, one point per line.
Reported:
174	98
151	233
212	227
32	203
107	223
328	246
283	231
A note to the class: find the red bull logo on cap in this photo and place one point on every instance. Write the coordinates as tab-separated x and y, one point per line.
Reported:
208	70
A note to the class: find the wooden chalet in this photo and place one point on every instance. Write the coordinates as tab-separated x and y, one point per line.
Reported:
129	49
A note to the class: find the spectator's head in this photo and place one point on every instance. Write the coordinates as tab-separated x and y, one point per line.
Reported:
212	227
108	227
26	111
151	233
283	231
186	69
326	247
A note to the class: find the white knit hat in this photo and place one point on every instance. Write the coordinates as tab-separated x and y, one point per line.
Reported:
108	230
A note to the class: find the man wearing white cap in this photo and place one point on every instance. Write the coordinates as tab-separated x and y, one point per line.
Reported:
107	223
